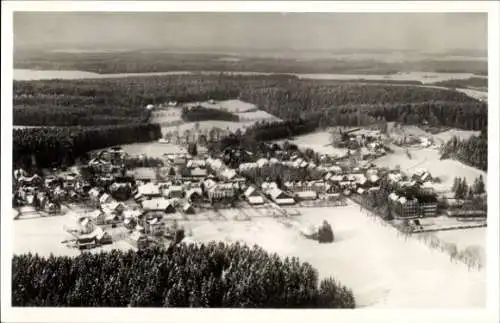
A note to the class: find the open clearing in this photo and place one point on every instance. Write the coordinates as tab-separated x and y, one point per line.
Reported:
171	119
381	267
444	137
319	142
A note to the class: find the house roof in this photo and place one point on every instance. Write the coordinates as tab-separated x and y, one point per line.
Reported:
255	199
304	194
149	189
158	204
198	172
105	198
229	173
187	207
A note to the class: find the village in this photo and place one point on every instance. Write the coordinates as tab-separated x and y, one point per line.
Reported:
139	199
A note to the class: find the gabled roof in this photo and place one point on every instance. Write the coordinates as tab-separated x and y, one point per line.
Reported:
157	204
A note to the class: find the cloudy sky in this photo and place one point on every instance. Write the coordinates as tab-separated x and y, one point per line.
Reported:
253	31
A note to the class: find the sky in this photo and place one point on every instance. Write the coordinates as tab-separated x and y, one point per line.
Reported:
253	31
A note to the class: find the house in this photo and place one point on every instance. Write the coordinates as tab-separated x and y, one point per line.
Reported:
138	240
221	192
280	197
228	174
194	194
174	191
196	163
158	205
306	195
149	190
113	207
267	186
253	197
188	208
155	227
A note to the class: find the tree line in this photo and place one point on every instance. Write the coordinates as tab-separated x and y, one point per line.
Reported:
46	147
212	275
472	151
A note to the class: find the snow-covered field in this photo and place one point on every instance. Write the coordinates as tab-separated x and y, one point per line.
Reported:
429	159
444	137
47	235
468	238
171	119
319	142
381	267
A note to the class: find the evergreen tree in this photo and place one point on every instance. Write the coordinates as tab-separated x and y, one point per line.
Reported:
479	187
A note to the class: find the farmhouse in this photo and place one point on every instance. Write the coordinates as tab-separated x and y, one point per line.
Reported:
158	205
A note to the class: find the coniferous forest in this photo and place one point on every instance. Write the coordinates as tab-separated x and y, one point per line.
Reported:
308	104
211	275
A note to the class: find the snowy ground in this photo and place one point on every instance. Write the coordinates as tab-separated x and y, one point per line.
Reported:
319	142
444	137
469	238
248	113
381	267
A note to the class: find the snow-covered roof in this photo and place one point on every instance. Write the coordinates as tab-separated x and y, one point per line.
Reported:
255	199
149	189
228	173
105	198
306	194
250	191
158	204
393	196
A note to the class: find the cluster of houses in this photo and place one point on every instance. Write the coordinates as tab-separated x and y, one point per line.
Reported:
47	194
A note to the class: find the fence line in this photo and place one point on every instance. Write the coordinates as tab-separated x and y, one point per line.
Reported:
469	257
